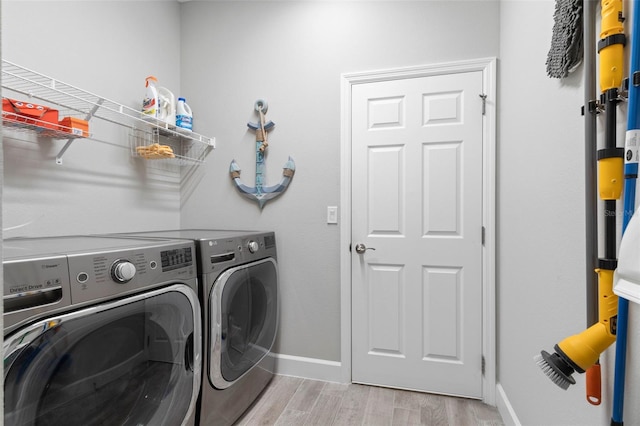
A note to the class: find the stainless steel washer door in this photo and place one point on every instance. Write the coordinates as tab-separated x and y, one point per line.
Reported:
243	320
135	361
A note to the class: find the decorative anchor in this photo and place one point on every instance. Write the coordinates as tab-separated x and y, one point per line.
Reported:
261	193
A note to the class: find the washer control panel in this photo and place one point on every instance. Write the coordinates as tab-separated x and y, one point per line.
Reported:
48	274
101	275
176	258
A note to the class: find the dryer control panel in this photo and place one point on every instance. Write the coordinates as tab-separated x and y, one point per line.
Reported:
217	254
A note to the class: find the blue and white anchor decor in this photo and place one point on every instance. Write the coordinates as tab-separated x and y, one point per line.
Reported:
261	193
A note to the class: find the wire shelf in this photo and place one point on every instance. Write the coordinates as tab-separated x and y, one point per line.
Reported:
35	85
18	122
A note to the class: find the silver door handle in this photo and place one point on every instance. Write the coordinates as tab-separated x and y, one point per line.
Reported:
361	248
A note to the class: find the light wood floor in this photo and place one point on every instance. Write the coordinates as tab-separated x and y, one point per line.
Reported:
297	402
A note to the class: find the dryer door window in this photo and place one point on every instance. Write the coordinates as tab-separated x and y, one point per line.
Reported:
244	319
124	363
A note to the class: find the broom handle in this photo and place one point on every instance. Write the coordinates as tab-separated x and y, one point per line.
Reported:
593	377
631	173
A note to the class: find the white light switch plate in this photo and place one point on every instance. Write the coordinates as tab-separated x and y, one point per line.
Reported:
332	214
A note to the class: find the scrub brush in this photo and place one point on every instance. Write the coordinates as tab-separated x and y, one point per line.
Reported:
556	368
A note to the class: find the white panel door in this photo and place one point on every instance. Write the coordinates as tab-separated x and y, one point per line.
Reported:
417	206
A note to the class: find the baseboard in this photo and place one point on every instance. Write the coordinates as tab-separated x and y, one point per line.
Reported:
331	371
309	368
505	409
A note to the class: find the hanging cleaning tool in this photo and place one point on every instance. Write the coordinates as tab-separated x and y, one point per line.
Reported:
581	351
611	52
590	111
611	46
565	53
610	180
631	144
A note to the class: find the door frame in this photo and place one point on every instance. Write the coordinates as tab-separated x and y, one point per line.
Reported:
488	67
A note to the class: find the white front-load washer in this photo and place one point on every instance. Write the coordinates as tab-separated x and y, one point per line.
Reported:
100	331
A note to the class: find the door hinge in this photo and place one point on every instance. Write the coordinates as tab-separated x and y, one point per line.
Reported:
483	364
483	234
484	103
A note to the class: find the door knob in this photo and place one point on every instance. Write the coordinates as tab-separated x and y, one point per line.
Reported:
361	248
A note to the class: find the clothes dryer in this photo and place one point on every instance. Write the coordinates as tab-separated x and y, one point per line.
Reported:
238	278
100	331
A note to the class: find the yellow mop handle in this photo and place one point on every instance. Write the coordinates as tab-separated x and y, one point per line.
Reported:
611	45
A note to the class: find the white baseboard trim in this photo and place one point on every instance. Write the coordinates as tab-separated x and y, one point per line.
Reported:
309	368
505	409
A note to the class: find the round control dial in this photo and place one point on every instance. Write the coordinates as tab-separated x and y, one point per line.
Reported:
122	271
253	246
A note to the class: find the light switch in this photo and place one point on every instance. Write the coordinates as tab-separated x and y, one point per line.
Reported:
332	214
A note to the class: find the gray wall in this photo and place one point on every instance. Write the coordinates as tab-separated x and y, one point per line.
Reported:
292	54
104	48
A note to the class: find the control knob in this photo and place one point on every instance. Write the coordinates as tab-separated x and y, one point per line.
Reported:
122	271
253	246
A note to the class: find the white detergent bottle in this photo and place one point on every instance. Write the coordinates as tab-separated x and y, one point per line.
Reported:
184	116
167	111
150	102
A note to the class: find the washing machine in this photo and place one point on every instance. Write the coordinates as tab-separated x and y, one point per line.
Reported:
101	331
238	278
